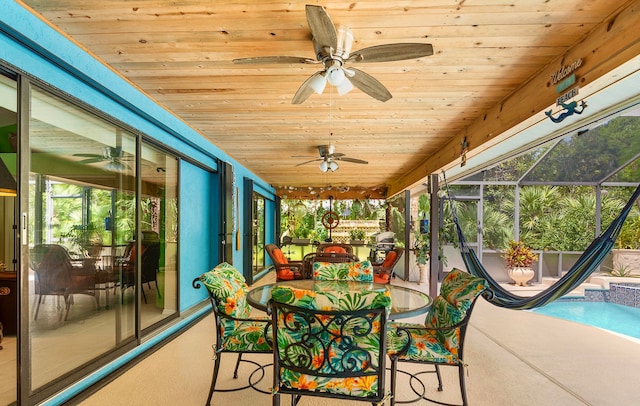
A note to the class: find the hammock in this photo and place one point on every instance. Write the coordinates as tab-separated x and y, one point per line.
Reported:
588	262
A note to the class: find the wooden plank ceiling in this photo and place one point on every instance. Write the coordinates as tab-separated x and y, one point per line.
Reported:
180	54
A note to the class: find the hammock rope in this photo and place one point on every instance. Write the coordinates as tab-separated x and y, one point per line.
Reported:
586	264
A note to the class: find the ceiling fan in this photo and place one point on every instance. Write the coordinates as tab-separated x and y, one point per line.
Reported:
333	49
328	158
112	155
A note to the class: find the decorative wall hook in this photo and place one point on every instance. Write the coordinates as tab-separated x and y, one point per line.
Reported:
568	109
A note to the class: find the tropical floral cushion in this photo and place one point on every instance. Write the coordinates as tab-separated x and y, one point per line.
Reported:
461	288
229	288
326	345
245	336
333	296
347	271
435	342
443	314
424	346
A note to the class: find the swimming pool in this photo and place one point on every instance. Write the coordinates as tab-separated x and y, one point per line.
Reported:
610	316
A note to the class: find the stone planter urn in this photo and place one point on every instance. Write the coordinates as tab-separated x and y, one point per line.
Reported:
521	275
424	273
626	259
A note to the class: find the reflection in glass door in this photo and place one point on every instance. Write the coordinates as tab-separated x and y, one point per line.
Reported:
8	250
258	233
81	215
159	224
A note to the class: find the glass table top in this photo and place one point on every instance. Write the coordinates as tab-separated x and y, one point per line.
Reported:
405	302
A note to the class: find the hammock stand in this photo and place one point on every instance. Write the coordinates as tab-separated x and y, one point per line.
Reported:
586	264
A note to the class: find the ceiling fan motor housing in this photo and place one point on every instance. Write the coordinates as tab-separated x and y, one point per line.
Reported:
326	150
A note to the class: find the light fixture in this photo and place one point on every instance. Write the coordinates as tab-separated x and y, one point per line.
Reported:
333	166
345	87
324	166
318	83
8	186
335	75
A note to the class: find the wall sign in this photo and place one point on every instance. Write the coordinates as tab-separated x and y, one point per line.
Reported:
563	79
565	71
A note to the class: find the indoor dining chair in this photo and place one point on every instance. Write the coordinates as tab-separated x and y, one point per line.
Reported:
440	341
236	332
56	275
329	343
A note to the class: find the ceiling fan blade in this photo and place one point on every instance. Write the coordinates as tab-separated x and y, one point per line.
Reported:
274	59
92	160
313	160
322	28
335	155
90	156
391	52
305	90
370	85
354	160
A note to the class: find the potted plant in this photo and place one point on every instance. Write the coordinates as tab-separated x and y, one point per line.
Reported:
300	236
356	236
519	258
87	238
421	251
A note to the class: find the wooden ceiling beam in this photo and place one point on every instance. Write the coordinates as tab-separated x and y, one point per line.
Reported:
608	46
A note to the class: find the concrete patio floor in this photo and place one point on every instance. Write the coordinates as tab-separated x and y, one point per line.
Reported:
514	357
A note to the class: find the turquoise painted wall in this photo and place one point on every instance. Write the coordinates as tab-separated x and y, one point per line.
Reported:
30	46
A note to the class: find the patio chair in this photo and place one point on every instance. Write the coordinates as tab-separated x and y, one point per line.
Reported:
55	275
149	267
440	341
334	247
360	271
333	257
329	344
384	272
235	331
285	270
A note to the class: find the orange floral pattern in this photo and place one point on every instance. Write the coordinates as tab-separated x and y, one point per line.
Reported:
333	353
346	271
434	341
229	289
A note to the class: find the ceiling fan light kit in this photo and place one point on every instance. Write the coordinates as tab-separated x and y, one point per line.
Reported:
318	83
332	46
327	165
328	158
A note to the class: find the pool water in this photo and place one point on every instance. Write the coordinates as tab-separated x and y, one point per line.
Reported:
610	316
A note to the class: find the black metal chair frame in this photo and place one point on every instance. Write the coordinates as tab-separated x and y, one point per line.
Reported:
462	325
326	319
219	350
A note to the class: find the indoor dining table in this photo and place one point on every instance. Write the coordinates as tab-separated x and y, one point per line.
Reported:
405	302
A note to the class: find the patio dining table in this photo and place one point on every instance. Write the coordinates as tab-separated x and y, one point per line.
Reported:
405	302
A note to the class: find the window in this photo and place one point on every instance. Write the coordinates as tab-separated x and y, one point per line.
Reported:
258	233
103	237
